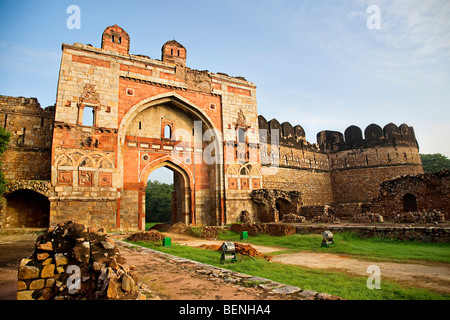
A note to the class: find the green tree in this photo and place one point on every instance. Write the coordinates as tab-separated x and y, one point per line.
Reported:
4	139
434	162
158	202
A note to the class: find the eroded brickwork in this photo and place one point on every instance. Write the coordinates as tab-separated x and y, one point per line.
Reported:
29	149
413	193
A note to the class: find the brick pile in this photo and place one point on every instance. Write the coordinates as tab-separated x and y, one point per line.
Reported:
273	229
432	216
241	248
248	250
293	218
325	218
246	217
70	262
147	236
367	217
210	232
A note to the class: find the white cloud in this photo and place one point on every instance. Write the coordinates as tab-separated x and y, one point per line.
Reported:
414	41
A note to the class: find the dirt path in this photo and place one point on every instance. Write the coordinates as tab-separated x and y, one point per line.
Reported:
168	281
12	249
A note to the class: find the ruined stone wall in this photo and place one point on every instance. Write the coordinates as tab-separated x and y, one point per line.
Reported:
362	184
401	233
29	150
427	192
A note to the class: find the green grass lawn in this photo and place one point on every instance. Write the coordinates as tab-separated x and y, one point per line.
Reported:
348	243
336	283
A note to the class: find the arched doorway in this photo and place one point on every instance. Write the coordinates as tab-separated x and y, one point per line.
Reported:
159	197
182	196
283	206
409	203
26	209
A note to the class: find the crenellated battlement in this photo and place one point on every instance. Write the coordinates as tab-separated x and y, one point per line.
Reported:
334	141
285	134
390	146
374	136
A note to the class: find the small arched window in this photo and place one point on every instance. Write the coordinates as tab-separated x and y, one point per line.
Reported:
167	132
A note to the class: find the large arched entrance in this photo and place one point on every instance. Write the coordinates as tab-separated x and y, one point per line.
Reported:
167	131
26	209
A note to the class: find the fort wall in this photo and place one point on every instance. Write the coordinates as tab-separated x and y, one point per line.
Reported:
340	168
29	148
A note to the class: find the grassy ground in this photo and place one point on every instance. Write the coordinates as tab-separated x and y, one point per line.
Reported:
376	249
340	284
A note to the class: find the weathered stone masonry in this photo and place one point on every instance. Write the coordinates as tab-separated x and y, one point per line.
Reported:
144	112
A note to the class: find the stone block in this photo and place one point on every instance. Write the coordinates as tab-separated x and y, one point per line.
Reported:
21	285
61	259
37	284
48	271
28	272
25	295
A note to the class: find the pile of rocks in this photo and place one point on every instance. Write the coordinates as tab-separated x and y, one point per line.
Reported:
367	217
293	218
273	229
325	218
71	262
206	232
245	217
248	250
433	216
146	236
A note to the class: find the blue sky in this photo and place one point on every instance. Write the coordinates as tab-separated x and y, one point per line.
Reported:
315	63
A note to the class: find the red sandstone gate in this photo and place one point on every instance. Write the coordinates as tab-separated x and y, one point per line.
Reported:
160	131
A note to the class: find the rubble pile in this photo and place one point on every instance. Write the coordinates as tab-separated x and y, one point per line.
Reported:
367	217
241	248
147	236
210	232
245	217
293	218
179	228
70	262
273	229
325	218
248	250
433	216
